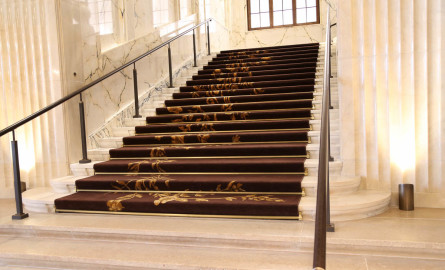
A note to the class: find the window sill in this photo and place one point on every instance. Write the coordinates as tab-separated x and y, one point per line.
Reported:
282	26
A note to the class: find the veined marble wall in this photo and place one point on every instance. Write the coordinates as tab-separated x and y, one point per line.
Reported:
91	60
240	37
391	57
30	80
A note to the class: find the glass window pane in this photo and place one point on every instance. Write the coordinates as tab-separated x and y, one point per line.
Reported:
265	19
164	18
255	20
288	17
301	3
156	18
264	5
277	5
301	15
156	5
164	4
311	3
254	6
278	18
311	15
287	4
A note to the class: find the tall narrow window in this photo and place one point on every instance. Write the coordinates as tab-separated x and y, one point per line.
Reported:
184	8
278	13
160	12
101	16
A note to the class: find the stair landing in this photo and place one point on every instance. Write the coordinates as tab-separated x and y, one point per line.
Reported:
393	240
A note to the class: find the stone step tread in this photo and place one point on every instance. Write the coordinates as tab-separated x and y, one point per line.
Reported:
353	201
59	253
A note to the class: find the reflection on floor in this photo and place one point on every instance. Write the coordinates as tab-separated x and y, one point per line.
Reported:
393	240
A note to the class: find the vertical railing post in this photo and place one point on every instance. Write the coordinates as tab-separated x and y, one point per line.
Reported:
170	72
194	49
329	72
136	94
83	135
17	181
329	226
208	37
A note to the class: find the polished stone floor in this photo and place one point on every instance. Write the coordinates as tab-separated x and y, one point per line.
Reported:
393	240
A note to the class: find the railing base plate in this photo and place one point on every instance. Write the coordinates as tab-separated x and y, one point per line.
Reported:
330	227
20	216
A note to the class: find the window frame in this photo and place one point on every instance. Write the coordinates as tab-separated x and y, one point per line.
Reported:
294	13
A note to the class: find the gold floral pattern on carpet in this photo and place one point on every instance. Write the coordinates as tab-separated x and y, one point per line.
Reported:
158	152
163	198
212	100
258	91
203	138
177	139
233	186
227	107
156	165
145	183
186	128
174	110
116	204
135	166
196	109
207	127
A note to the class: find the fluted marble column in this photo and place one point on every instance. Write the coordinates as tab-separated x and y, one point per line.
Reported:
30	80
390	67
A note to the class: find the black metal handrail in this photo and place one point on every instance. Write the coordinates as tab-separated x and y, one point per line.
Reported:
322	216
11	128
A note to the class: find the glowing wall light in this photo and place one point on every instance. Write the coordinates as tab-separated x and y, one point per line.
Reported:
403	150
26	155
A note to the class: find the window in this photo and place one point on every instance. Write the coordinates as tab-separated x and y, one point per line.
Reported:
183	8
278	13
160	12
101	16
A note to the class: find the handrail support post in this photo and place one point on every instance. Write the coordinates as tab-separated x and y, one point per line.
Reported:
83	135
17	181
194	49
170	72
208	38
136	94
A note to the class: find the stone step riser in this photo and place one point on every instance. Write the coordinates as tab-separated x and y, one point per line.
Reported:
129	130
103	154
117	142
130	122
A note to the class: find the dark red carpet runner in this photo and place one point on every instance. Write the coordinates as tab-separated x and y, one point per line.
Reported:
232	143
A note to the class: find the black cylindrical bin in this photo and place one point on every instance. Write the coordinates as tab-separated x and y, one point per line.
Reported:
406	197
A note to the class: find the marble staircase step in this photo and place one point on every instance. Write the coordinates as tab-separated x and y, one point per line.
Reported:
102	154
345	206
338	185
110	142
228	244
129	130
312	167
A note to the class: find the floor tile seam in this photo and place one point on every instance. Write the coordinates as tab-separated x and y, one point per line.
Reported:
385	242
410	218
384	255
214	237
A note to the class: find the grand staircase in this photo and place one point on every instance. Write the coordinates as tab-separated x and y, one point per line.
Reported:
231	143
